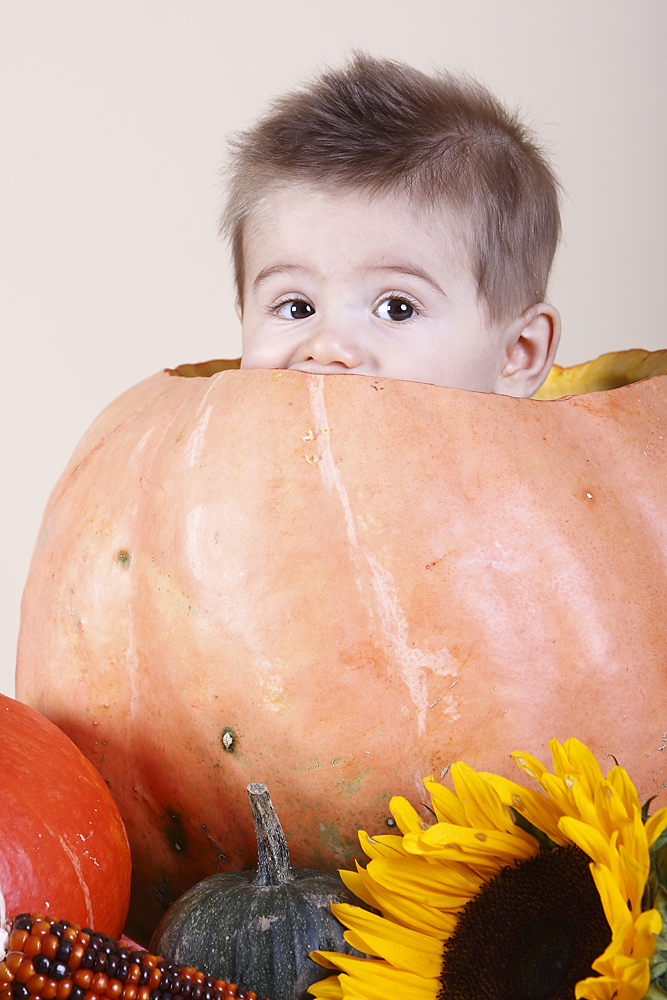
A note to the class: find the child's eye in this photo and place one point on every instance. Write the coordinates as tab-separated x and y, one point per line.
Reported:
395	309
295	309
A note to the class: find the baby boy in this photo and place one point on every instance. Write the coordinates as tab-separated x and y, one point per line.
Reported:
389	223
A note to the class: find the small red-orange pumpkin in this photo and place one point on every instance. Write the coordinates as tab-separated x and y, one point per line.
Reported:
337	585
63	847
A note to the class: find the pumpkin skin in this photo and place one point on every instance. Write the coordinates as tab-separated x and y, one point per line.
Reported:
337	585
63	847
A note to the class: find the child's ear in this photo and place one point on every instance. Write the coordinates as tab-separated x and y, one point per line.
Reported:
239	310
530	347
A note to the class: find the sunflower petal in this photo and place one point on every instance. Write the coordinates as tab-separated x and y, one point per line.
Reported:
560	791
483	806
531	765
632	977
655	825
406	816
596	988
405	909
538	809
591	841
647	926
403	948
349	990
328	989
594	809
376	980
443	885
446	804
359	883
615	909
583	762
474	844
412	913
564	767
633	875
620	779
613	805
384	846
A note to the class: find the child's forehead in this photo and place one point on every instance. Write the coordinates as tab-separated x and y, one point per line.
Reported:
315	196
285	204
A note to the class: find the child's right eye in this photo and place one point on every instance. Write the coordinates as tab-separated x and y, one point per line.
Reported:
295	309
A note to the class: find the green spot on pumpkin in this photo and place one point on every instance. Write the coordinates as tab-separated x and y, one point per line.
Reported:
336	843
124	559
350	787
309	765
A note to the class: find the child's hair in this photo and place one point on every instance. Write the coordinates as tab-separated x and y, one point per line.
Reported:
382	127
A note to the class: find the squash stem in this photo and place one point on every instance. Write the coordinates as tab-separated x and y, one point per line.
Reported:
273	866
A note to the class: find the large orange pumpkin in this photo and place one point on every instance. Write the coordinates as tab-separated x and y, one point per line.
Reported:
337	585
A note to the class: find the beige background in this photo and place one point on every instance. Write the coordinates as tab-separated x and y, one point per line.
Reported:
112	122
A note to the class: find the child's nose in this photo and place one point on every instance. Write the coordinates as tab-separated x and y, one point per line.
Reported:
334	344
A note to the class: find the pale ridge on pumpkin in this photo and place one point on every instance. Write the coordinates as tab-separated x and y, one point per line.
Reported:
132	662
412	663
143	441
195	443
77	868
193	524
330	473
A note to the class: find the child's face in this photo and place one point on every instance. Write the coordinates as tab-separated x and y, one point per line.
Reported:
338	282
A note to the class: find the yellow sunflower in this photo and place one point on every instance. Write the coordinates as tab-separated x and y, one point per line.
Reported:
513	894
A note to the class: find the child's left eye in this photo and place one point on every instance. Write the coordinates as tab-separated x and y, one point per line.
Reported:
395	309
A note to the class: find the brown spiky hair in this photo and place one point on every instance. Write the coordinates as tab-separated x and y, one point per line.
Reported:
446	142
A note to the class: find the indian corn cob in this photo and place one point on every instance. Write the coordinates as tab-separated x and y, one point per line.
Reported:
57	960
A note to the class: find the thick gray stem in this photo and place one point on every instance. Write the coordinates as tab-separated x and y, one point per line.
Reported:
273	867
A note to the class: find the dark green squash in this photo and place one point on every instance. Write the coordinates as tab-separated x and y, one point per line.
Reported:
258	927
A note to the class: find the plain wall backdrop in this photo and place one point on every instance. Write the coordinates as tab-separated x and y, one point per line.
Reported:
113	115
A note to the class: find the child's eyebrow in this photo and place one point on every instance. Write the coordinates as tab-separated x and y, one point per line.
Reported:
268	272
411	270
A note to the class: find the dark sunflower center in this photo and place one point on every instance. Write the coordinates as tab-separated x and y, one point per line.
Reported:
531	933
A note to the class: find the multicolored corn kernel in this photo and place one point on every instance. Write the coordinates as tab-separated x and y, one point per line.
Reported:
56	960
